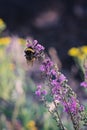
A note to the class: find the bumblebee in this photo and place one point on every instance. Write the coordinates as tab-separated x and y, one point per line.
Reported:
30	54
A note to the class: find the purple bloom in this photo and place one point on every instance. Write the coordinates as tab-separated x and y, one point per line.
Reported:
58	89
81	108
66	109
84	84
58	98
29	44
38	92
62	78
39	47
54	83
71	106
39	87
42	68
44	92
46	66
53	74
35	42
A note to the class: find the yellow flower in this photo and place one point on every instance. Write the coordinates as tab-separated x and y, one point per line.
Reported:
11	66
74	52
1	22
21	40
31	125
79	52
2	25
5	40
84	49
81	56
33	128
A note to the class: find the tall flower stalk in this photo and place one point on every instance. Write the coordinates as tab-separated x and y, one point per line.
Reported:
55	86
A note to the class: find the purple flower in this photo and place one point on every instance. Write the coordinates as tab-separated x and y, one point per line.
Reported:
54	83
62	78
44	92
58	89
81	108
39	87
66	109
53	74
38	92
29	43
39	48
84	84
46	66
71	106
58	98
35	42
42	68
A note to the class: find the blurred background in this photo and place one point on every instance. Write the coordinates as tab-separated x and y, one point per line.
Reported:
58	25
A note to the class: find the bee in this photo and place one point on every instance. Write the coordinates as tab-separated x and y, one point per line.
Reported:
30	54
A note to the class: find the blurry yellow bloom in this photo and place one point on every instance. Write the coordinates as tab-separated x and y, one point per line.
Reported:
81	56
1	22
12	66
5	40
74	52
22	41
31	125
80	52
84	49
2	25
33	128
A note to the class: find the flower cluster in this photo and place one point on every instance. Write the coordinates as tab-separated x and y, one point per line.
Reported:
78	52
39	92
58	89
31	125
62	93
38	49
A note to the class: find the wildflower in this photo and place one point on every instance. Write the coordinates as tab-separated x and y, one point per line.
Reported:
31	125
5	40
40	91
84	49
2	25
11	66
62	78
46	66
84	84
58	88
21	40
73	52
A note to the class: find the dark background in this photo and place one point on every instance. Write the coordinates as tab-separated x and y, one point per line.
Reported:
58	23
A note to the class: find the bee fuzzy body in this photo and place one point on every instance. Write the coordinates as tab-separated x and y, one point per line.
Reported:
30	54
